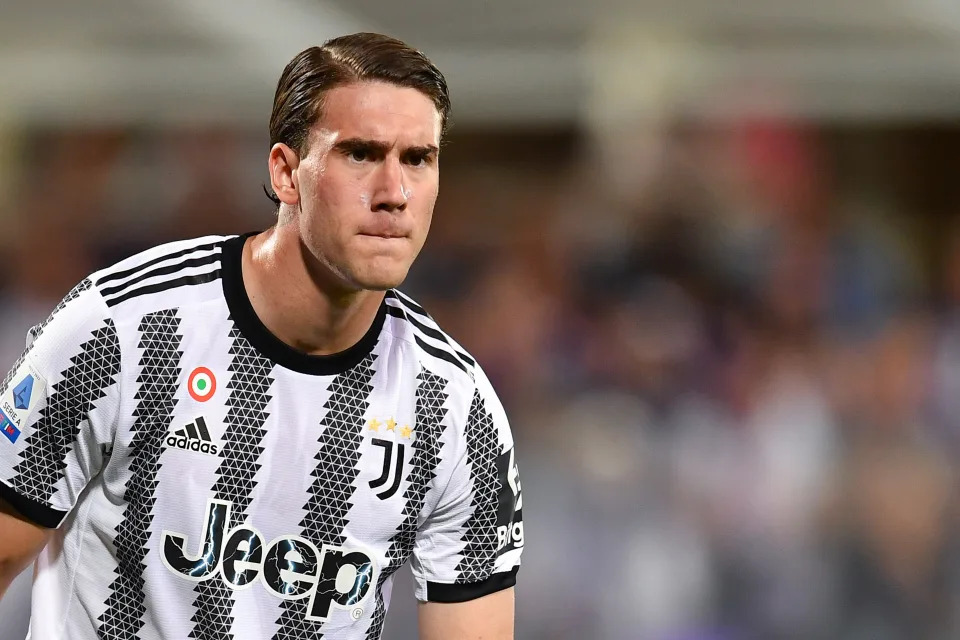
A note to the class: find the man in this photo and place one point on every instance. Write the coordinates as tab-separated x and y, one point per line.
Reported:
246	437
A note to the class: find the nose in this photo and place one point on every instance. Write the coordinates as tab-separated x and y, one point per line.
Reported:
389	193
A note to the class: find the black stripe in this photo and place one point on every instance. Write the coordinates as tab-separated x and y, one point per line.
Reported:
162	271
181	432
158	380
202	427
409	304
439	592
439	335
440	353
56	430
35	512
191	431
478	557
251	377
397	312
186	281
37	331
431	409
119	275
436	334
331	494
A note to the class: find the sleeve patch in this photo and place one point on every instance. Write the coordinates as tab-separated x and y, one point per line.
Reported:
510	507
21	399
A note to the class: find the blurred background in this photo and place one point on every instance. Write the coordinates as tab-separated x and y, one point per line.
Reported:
708	253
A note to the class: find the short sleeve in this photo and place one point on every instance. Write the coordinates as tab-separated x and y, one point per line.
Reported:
470	545
58	408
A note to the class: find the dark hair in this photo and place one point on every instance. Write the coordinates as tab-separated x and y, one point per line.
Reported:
298	101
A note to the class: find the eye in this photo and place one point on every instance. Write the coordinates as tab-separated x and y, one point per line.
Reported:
418	160
359	155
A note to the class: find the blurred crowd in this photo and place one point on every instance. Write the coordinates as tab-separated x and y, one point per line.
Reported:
732	367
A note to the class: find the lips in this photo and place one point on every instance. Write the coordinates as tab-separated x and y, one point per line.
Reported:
383	233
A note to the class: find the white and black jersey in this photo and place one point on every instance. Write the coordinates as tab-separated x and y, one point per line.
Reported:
208	481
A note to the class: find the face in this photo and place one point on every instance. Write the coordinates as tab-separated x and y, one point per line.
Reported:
368	183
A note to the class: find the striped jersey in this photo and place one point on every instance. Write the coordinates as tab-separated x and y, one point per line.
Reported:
208	481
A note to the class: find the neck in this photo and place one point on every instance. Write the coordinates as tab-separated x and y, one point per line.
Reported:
296	297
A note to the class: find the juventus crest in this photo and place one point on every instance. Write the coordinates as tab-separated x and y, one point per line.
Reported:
392	471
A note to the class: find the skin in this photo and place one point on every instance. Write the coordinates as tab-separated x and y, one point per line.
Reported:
21	542
355	211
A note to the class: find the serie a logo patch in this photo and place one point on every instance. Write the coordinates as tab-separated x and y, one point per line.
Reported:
20	399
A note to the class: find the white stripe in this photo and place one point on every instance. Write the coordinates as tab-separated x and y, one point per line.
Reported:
160	265
167	277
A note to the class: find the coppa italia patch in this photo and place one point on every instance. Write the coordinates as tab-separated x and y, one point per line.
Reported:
201	384
7	428
20	399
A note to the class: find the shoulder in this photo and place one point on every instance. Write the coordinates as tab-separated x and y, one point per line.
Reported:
93	309
162	273
439	353
410	322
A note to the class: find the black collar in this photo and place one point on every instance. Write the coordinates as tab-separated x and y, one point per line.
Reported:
249	324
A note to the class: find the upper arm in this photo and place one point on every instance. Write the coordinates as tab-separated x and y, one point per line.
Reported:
58	409
489	618
22	540
468	548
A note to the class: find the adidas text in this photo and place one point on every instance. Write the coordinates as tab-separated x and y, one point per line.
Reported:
192	444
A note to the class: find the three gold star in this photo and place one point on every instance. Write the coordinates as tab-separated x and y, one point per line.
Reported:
391	424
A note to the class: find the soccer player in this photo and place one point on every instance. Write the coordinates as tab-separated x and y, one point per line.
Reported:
246	436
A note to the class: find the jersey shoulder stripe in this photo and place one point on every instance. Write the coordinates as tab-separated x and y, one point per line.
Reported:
443	351
408	302
166	285
162	268
166	269
156	255
440	353
409	310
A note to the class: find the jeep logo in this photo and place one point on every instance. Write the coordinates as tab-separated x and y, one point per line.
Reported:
289	567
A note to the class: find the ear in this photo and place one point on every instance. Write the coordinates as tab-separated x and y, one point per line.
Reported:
282	163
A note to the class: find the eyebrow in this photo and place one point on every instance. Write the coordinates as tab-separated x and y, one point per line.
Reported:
360	144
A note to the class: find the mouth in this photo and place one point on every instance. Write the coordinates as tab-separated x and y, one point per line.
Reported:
386	235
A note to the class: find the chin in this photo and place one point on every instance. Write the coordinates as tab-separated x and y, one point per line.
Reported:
381	280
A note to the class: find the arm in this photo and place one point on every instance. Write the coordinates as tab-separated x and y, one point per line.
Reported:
54	423
467	551
19	545
486	618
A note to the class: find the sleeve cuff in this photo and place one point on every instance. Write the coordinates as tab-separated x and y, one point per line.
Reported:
440	592
32	510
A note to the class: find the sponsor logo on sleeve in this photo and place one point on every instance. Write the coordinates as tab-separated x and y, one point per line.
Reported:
510	510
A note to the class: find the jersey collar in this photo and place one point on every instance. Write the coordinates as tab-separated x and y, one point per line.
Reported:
249	324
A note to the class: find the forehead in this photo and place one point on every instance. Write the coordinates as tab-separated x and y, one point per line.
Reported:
380	111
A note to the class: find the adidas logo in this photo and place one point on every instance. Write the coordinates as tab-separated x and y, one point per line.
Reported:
193	437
